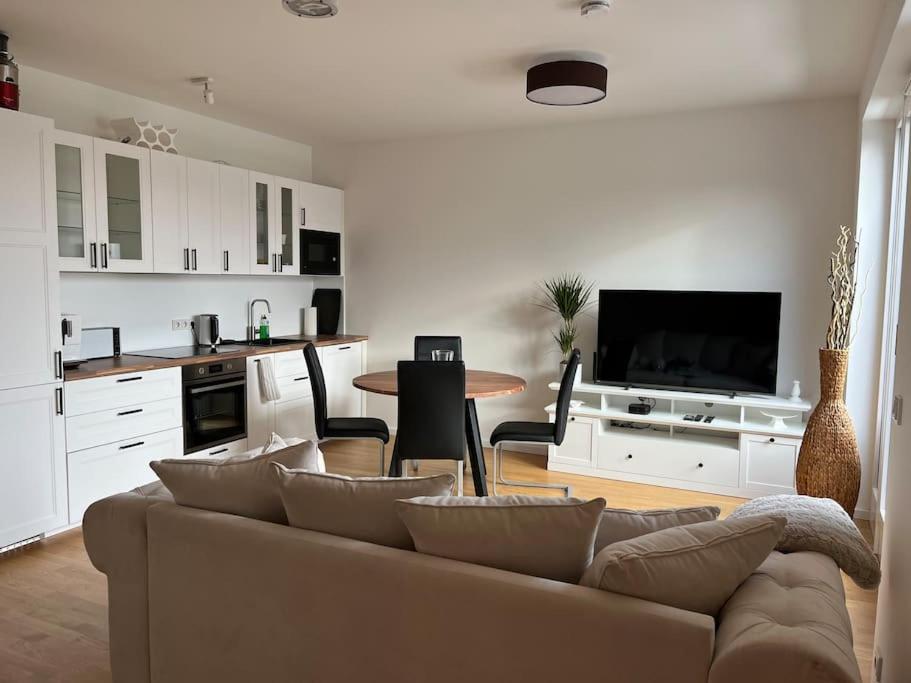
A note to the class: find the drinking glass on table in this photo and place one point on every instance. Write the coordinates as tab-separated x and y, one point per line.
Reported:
442	354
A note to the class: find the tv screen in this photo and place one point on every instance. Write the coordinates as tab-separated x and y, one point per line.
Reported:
714	341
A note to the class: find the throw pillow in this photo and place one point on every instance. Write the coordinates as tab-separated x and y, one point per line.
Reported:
695	567
820	525
620	525
363	508
238	485
547	537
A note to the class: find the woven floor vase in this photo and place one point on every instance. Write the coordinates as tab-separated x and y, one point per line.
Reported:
829	463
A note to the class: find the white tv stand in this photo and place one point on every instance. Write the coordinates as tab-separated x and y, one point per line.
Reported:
739	453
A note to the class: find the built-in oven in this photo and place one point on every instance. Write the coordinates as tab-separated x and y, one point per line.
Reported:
214	404
320	253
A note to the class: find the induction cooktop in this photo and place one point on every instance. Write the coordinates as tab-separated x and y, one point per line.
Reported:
189	351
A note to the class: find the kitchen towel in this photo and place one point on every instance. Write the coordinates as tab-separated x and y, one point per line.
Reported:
268	386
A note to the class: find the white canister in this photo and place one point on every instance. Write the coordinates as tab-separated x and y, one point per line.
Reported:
310	321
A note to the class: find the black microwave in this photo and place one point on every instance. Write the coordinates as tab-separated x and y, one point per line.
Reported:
320	253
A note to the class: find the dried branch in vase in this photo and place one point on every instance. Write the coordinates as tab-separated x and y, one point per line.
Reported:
843	282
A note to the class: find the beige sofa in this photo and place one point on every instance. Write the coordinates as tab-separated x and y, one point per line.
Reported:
199	596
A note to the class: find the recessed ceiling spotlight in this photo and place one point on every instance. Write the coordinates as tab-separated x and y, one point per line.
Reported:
208	94
595	7
566	82
311	9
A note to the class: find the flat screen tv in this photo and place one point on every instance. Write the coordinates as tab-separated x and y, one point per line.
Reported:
725	342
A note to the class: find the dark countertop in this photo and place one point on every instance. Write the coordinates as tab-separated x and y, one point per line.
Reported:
128	363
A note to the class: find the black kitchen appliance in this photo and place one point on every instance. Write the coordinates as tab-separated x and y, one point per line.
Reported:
328	304
214	404
320	252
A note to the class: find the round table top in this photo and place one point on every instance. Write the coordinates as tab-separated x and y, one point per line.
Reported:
478	383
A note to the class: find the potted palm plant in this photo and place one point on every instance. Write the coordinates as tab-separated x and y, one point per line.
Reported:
567	295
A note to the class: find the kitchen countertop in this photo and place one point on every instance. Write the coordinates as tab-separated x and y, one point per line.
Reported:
103	367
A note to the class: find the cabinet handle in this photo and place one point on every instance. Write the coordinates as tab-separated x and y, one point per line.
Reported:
701	465
771	439
572	419
93	254
129	412
219	451
227	261
300	379
132	445
58	364
186	258
303	216
104	254
343	348
194	259
58	400
129	379
629	456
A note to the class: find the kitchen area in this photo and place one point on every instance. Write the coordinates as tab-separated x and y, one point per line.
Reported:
108	253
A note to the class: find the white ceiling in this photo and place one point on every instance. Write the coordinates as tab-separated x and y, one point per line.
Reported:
386	69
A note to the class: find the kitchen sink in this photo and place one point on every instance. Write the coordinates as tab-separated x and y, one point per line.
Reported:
272	341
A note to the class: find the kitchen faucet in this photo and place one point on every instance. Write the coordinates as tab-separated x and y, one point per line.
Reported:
250	333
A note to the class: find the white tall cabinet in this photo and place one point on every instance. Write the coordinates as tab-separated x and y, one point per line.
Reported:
32	451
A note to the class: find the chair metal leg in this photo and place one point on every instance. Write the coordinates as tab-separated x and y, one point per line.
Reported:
459	478
414	465
498	476
382	458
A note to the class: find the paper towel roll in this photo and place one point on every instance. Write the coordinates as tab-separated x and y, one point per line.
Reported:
310	321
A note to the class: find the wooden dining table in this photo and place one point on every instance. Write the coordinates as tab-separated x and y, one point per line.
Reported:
478	384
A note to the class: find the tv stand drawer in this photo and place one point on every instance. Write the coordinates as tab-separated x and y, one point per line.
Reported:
664	457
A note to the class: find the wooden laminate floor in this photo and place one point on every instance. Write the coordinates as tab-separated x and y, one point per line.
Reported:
53	603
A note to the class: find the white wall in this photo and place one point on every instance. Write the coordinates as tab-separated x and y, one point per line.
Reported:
86	108
450	235
143	306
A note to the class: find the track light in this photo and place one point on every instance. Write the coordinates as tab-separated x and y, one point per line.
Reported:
208	93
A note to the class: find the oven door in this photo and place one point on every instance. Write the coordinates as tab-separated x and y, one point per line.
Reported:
214	412
320	253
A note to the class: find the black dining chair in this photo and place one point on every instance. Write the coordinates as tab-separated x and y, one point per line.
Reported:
537	432
424	346
341	427
431	424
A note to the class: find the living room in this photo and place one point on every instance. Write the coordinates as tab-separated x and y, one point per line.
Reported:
703	149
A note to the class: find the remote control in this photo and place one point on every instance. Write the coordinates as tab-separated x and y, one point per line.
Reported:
708	418
689	418
699	417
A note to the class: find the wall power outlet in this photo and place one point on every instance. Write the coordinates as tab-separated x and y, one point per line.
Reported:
183	324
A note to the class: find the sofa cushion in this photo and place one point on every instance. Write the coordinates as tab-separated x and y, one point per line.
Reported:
619	525
787	622
359	508
547	537
238	485
819	525
695	567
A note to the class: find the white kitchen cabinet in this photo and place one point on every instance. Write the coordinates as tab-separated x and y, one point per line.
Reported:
116	424
203	216
74	170
292	414
234	218
262	224
33	493
578	445
322	207
169	213
294	417
116	391
123	193
769	463
287	229
29	281
96	473
341	364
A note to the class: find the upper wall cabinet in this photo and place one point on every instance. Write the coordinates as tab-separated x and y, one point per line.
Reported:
234	218
287	231
77	234
262	220
123	207
322	208
203	216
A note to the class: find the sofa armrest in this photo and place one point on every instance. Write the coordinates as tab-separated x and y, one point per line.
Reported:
115	537
787	622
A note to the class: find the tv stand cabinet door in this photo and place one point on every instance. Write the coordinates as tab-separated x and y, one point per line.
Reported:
578	443
769	463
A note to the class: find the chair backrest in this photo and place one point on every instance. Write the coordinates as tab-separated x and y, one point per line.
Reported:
431	400
564	395
318	385
424	345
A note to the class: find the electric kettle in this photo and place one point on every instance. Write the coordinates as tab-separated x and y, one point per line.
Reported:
206	326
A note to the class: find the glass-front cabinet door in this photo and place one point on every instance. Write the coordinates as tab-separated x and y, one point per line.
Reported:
263	255
287	224
77	238
123	207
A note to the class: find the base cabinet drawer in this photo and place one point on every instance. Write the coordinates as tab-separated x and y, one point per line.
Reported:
96	473
225	450
287	363
670	459
577	446
104	393
769	463
295	418
117	424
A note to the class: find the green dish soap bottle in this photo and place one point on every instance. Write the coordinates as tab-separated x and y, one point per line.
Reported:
264	327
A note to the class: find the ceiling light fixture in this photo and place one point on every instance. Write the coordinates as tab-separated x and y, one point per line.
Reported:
566	83
208	94
595	7
311	9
